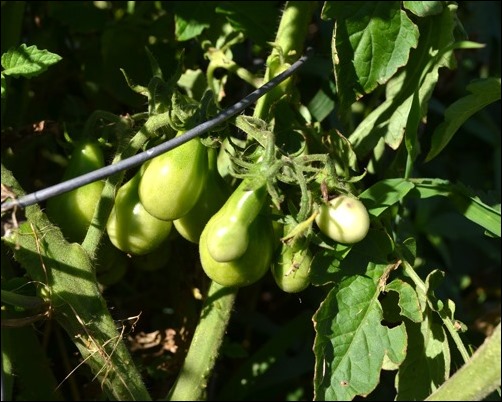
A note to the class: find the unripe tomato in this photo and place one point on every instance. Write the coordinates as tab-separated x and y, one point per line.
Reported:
228	236
214	195
130	227
172	182
248	268
73	211
344	219
291	270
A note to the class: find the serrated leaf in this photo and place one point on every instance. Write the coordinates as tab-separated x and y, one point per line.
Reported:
27	61
371	40
483	92
351	343
424	8
384	194
427	363
408	299
390	119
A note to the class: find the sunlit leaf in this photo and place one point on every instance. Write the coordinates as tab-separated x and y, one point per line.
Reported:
27	61
351	342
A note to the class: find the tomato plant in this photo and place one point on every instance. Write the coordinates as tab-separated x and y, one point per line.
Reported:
344	219
396	111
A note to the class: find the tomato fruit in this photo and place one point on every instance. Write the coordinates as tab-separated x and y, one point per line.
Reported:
344	219
291	270
130	227
251	266
172	182
214	195
227	231
73	211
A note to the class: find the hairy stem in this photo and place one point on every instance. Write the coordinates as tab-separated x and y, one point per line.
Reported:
192	381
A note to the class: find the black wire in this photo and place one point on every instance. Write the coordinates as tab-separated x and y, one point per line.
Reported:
142	157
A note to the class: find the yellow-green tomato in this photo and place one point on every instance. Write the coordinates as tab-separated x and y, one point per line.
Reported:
130	227
172	182
73	211
248	268
214	195
228	234
344	219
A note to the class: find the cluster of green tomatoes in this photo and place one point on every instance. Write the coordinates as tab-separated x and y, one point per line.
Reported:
238	239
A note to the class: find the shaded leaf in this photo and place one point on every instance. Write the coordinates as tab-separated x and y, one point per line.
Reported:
256	19
384	194
483	92
467	202
427	363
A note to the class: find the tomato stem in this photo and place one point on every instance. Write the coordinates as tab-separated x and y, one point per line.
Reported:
201	357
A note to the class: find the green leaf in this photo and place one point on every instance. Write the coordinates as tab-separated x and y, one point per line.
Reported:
322	104
27	61
483	92
372	40
390	119
408	299
192	18
467	202
424	8
256	19
384	194
351	343
427	363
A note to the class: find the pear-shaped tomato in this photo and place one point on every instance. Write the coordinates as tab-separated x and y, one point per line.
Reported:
344	219
73	211
252	265
130	227
172	182
227	231
214	195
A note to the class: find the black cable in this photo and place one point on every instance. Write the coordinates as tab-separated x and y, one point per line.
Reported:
142	157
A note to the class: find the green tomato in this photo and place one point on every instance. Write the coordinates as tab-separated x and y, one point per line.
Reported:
227	231
73	211
344	219
130	227
214	195
172	182
249	267
291	270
